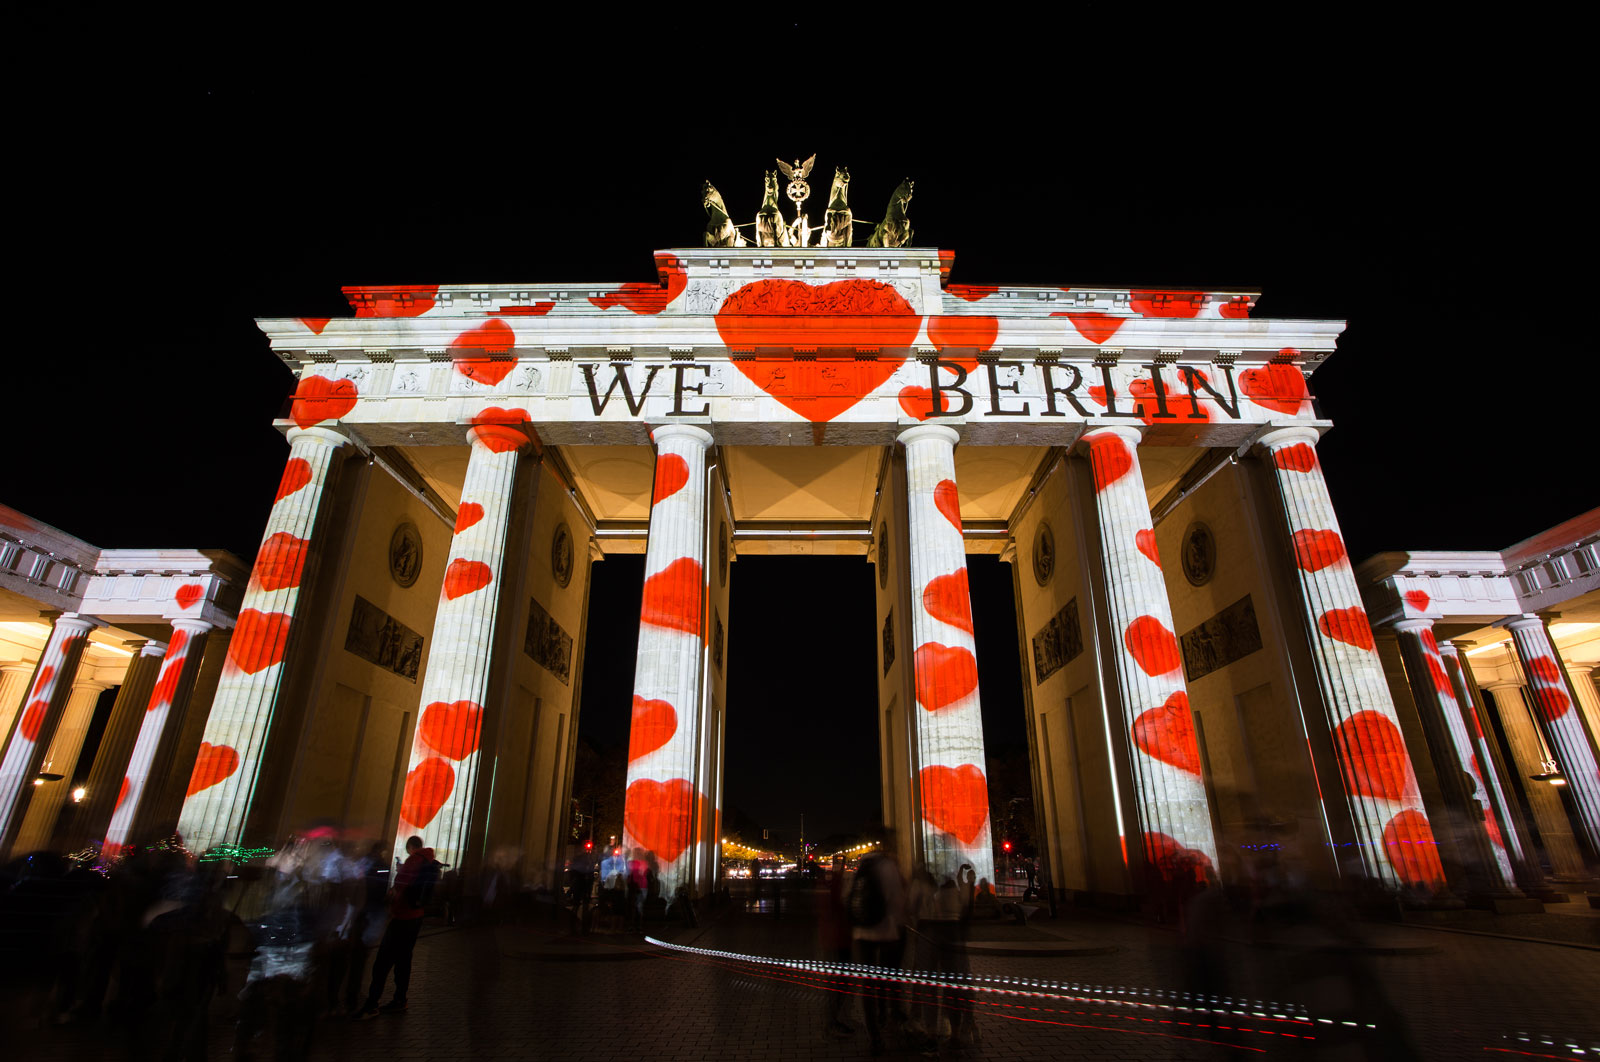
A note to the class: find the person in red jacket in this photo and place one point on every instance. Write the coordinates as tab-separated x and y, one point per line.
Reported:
408	897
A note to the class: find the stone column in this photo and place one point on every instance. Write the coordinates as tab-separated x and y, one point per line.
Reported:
952	775
662	803
1393	837
1582	678
35	728
125	816
229	760
1528	755
1479	839
60	766
13	684
116	742
1563	725
442	777
1174	815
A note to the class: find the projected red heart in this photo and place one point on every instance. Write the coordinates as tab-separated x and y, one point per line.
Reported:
1315	549
464	576
1543	669
1553	703
1348	625
975	332
972	292
945	674
1173	861
258	640
648	298
1152	646
1164	303
33	719
1372	757
1094	326
213	764
1109	459
1296	458
471	349
956	800
948	600
122	793
281	561
1417	599
166	687
318	399
428	786
1492	825
918	402
672	596
1167	733
502	431
187	595
316	324
947	499
657	815
1409	843
654	723
1146	542
400	300
1234	309
1441	681
1276	387
451	729
672	472
469	514
296	474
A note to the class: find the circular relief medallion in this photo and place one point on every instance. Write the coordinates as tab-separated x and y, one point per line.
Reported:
561	555
1044	554
1199	554
722	554
405	554
883	554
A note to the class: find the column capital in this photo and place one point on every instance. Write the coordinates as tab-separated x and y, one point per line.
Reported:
193	627
1128	433
1521	623
1278	438
498	438
1580	667
928	431
17	665
94	684
330	437
78	621
682	431
1502	684
1449	648
1417	624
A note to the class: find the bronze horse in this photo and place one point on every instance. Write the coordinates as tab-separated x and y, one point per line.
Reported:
838	222
720	229
771	229
895	228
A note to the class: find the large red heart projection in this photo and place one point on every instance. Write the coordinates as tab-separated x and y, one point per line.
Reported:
657	815
1417	599
258	640
469	514
318	399
1553	703
654	723
33	719
1348	625
1315	549
648	298
1372	757
1152	646
212	764
956	800
452	728
918	402
1408	841
1093	326
464	576
944	674
1276	387
1109	459
976	332
948	599
281	561
1167	733
1296	458
1173	861
1146	542
672	472
296	474
428	786
947	499
1545	670
672	596
186	597
842	315
1163	303
470	352
501	431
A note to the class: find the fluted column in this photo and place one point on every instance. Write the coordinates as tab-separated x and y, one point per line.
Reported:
35	726
1166	769
442	777
229	762
1393	836
1561	721
1479	839
60	766
1582	680
952	774
662	803
13	684
1528	756
116	742
125	815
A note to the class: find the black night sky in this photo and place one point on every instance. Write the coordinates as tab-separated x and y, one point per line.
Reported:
203	175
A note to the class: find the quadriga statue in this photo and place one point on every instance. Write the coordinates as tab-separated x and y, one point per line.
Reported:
838	222
720	229
895	228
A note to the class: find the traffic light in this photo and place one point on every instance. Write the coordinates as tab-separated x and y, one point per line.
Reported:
588	846
1006	845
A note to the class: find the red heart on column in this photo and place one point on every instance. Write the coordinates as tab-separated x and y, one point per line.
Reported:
1296	458
948	599
1276	387
1348	625
947	499
1441	680
1314	550
186	596
1146	541
212	764
451	729
428	786
1417	599
166	687
654	723
1167	733
1109	458
318	399
1173	861
1408	841
296	474
1372	756
464	576
956	800
33	719
469	514
41	681
281	561
122	793
1544	669
1152	646
672	472
1553	703
470	352
944	674
657	815
918	402
672	596
258	640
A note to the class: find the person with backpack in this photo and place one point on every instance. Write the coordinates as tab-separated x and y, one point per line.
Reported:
409	896
878	909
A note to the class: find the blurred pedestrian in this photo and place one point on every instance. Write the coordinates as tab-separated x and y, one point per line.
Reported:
878	907
413	888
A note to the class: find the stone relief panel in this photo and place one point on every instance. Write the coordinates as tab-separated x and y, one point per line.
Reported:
379	638
1058	642
547	644
1230	635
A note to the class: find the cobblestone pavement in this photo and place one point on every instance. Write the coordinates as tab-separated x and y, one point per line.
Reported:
525	991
